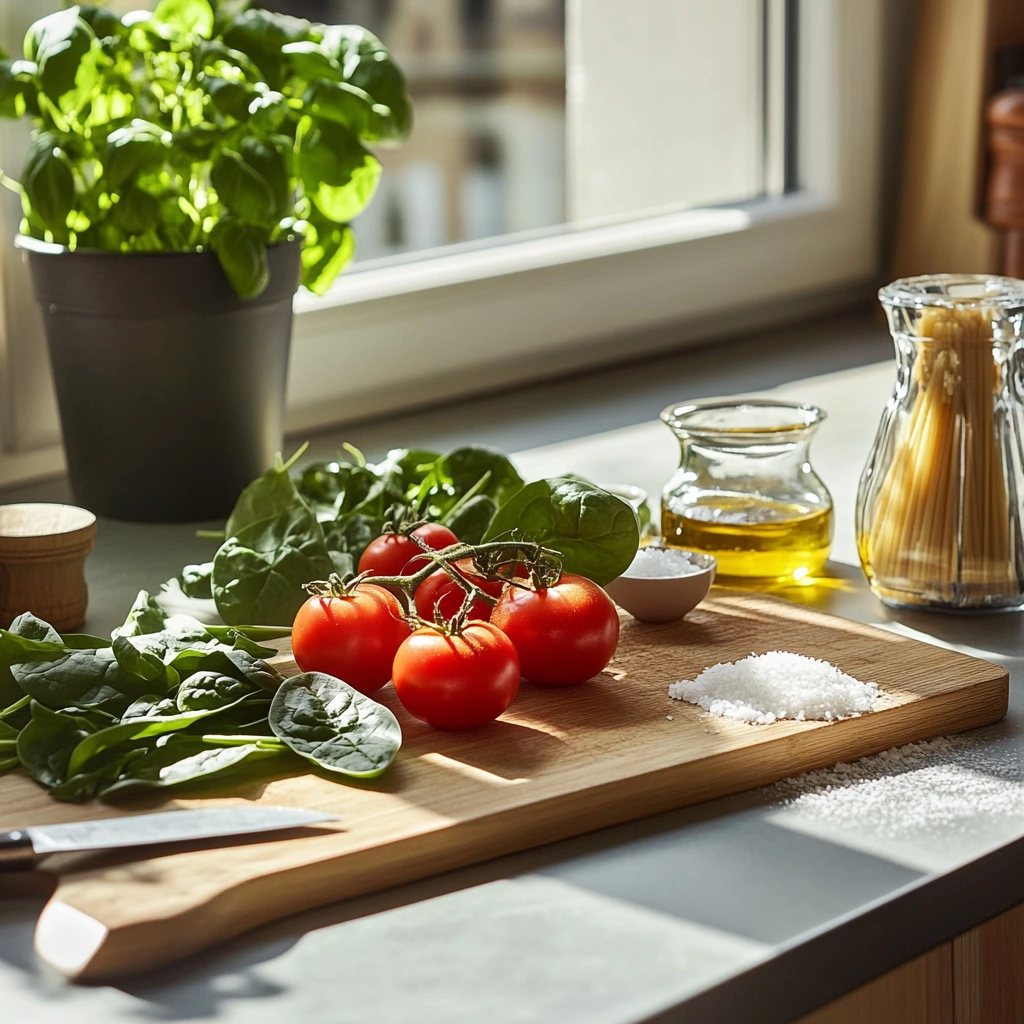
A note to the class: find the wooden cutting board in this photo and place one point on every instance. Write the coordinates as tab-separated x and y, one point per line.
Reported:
561	762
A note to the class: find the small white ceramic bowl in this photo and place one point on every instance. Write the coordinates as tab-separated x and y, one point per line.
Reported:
664	598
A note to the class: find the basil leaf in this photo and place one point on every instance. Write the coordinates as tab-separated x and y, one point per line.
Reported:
243	188
333	725
132	150
57	44
328	248
596	533
48	182
242	253
192	16
338	172
368	66
258	574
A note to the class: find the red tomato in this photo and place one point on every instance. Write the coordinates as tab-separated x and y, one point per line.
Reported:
394	555
456	682
564	634
353	638
440	591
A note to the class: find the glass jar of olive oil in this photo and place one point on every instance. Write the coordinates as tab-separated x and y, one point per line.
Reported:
745	491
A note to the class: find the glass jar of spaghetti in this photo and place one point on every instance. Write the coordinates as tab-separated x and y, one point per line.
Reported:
939	505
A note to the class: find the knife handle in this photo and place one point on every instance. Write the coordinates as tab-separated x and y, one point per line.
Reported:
16	851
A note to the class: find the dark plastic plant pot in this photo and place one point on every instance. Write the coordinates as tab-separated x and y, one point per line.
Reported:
171	388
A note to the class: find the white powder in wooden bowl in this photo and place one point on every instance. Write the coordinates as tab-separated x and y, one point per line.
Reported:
763	688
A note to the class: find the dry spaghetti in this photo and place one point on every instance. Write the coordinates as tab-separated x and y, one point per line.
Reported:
941	517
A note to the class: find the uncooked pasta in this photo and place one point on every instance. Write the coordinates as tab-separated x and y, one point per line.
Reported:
940	523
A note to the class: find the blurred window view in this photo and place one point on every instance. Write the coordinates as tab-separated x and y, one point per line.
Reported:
662	105
487	153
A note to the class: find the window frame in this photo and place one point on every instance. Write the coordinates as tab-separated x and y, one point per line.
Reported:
471	318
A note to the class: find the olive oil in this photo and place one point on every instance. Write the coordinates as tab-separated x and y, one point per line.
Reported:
753	537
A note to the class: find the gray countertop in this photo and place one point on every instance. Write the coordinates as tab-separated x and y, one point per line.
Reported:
747	908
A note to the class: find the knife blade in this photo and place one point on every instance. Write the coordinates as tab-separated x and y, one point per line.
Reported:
21	848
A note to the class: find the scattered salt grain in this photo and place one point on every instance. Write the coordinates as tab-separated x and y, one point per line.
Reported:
659	563
766	687
921	791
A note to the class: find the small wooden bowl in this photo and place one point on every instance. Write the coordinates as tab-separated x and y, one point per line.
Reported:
42	563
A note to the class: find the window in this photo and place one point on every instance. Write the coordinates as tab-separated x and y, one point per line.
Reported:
586	180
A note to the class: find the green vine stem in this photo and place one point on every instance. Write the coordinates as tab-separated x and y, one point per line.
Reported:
543	565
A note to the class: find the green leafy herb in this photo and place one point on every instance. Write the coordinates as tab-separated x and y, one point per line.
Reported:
197	580
596	533
185	760
203	125
336	727
258	574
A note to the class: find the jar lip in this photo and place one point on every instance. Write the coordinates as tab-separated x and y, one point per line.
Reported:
743	418
954	291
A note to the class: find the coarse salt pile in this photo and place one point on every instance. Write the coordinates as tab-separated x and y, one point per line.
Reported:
766	687
659	563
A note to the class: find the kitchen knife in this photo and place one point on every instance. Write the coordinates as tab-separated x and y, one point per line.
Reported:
21	848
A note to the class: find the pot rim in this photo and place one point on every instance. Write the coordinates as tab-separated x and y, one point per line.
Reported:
37	246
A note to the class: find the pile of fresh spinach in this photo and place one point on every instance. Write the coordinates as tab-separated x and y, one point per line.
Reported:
288	528
203	124
169	701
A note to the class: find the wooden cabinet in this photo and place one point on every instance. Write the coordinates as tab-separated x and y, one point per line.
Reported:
978	978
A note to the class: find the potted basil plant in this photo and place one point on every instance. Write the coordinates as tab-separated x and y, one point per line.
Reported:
188	168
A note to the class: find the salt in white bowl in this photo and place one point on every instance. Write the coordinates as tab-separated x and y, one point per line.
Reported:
664	598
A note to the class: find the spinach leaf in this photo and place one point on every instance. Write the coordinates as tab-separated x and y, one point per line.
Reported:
336	727
144	664
407	467
30	627
211	691
462	469
136	728
258	574
104	769
81	679
350	534
195	580
596	533
46	742
469	522
237	664
144	616
178	760
267	496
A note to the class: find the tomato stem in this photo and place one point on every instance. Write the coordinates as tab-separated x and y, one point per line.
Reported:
543	564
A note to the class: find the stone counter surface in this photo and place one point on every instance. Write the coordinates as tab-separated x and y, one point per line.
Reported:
740	909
